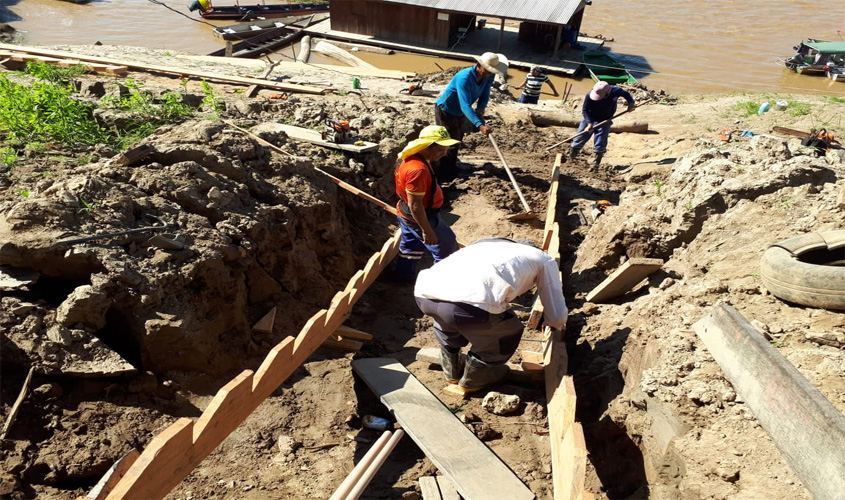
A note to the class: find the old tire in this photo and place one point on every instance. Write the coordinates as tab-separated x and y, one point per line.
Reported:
807	270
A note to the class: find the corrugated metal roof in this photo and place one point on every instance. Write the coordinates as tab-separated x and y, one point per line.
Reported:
543	11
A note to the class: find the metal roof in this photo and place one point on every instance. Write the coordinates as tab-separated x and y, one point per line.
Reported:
542	11
827	47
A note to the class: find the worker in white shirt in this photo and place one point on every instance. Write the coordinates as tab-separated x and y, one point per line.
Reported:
469	293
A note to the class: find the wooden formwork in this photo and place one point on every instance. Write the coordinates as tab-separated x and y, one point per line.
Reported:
566	436
176	451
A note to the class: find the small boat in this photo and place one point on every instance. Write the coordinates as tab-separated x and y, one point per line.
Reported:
241	31
604	68
249	12
264	43
815	57
246	30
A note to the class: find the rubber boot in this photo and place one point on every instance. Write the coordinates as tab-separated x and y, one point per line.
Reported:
573	153
478	374
597	161
451	363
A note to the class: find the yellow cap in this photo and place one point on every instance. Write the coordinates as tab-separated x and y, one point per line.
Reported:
428	136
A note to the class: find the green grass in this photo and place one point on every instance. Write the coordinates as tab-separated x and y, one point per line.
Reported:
747	108
799	108
837	100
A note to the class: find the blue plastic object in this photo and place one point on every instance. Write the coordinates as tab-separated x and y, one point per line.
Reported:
764	107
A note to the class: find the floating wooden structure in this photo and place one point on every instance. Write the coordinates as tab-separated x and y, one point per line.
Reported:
254	11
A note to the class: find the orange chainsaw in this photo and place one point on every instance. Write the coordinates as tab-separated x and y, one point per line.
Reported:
338	131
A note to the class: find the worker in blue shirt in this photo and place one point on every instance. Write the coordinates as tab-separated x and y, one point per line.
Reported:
599	107
454	106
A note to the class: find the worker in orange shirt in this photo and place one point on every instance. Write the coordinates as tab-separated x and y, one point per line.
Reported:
420	199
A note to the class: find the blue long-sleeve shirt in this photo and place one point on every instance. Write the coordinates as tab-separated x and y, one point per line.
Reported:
464	90
599	111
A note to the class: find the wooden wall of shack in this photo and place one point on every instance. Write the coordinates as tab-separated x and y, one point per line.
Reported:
401	23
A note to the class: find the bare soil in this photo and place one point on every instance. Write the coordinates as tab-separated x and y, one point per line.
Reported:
126	336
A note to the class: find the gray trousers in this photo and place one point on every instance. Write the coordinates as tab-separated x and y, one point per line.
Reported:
494	337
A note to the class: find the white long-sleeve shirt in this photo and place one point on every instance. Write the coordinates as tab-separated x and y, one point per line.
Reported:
490	274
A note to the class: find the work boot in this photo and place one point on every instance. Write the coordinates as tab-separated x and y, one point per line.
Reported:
478	374
597	161
451	363
573	153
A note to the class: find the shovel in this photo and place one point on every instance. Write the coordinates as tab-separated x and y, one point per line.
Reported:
528	214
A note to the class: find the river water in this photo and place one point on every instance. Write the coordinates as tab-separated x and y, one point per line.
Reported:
684	47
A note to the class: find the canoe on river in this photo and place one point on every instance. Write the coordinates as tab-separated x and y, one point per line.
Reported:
603	67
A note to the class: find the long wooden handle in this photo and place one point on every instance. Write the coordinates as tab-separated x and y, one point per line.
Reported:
599	124
510	174
352	479
352	189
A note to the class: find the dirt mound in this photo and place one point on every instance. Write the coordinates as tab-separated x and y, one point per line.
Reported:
128	333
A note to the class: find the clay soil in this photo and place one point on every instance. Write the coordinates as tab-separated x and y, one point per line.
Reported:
126	335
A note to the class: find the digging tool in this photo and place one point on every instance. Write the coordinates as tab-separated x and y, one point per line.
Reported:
528	214
599	124
161	227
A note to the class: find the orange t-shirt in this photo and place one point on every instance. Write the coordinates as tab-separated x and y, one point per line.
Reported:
413	176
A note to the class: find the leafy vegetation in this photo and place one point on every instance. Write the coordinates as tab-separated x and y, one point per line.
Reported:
799	108
46	110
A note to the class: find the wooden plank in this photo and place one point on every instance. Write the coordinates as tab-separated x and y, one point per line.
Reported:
551	210
352	333
160	467
476	472
265	324
115	473
575	455
230	406
429	488
805	426
343	344
315	137
276	367
13	413
165	69
624	279
431	355
447	489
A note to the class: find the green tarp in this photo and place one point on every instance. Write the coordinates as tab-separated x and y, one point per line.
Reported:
827	47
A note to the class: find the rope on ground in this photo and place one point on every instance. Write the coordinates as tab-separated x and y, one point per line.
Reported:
157	2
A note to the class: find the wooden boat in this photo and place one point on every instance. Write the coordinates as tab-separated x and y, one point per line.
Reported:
815	56
253	11
605	68
264	43
241	31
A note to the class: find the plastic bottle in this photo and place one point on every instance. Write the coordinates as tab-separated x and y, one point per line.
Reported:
356	83
373	422
764	107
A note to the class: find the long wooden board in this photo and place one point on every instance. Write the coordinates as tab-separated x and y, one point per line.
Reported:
314	136
624	279
805	426
304	89
477	473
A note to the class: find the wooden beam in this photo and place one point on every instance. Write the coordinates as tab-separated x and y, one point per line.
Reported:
429	489
342	344
351	333
624	279
13	413
805	426
166	69
265	324
476	472
173	454
114	474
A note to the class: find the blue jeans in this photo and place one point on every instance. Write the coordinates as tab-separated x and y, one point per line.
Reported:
528	99
412	246
600	141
